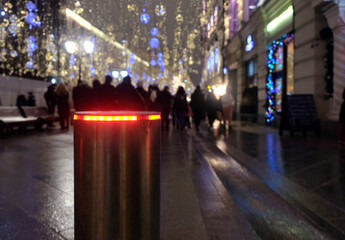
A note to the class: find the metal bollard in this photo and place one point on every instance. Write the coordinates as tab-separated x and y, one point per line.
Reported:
116	175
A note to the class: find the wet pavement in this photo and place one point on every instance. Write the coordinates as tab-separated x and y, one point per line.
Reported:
247	183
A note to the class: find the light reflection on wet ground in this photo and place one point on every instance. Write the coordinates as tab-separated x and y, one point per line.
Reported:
205	193
312	163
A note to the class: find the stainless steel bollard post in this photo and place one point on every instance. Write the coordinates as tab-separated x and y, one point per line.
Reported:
116	175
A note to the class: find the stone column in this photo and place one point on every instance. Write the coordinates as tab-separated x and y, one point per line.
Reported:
335	15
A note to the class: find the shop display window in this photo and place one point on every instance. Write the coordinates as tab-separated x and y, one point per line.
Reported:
290	68
275	75
251	73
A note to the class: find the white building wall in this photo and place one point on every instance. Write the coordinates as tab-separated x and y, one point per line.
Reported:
10	86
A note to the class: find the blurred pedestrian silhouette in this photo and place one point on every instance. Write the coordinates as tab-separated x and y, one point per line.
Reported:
107	96
227	102
211	108
50	98
81	96
342	123
180	108
188	116
154	98
166	103
20	102
31	99
62	100
197	104
95	95
143	93
127	97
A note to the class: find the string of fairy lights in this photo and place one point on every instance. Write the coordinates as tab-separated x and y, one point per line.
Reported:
272	88
34	34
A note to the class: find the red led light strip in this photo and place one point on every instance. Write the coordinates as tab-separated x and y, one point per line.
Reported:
114	118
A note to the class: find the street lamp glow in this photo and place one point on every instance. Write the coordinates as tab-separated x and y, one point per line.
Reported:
89	47
71	47
124	73
115	74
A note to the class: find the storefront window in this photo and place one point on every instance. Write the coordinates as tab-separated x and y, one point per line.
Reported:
251	73
275	75
290	69
279	59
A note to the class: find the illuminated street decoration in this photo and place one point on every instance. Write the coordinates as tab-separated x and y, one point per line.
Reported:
160	10
271	86
154	42
250	43
287	15
153	62
154	31
31	17
31	47
145	17
13	26
131	59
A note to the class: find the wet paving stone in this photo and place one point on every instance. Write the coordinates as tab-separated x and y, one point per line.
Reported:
247	183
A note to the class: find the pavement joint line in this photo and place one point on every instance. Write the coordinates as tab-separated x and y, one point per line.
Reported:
15	203
251	179
228	202
302	207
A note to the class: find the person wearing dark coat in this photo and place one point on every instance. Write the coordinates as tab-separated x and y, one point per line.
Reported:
127	97
143	93
95	95
180	108
107	93
211	104
81	96
31	99
21	101
166	104
197	104
50	99
154	96
62	100
342	123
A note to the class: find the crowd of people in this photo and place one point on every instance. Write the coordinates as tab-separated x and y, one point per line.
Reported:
126	97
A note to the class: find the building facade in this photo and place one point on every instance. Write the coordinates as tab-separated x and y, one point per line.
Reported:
279	48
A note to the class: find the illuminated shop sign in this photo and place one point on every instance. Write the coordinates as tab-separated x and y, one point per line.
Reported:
282	18
250	43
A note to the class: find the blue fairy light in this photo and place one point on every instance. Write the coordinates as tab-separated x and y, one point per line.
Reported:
92	70
132	59
160	62
31	16
72	60
31	6
154	42
145	17
154	31
31	44
3	13
160	55
153	62
30	64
